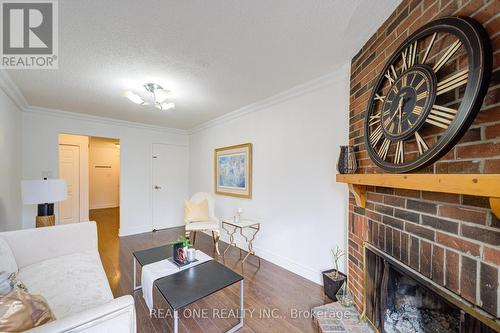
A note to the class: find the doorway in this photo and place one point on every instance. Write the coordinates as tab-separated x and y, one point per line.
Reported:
91	168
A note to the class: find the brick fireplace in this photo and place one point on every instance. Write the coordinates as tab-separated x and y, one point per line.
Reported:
451	239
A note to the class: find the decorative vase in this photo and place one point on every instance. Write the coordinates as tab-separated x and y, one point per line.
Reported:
347	160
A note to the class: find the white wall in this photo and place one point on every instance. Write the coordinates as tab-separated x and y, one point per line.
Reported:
10	164
40	154
296	137
104	173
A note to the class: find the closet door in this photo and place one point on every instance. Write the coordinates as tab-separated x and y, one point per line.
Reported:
170	185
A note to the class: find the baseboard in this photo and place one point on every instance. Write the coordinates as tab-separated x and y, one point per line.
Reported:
140	229
282	261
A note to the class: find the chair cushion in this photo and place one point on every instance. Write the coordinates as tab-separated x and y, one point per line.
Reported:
194	212
7	261
202	225
70	283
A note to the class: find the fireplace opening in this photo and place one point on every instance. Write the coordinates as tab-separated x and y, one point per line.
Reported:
412	308
397	300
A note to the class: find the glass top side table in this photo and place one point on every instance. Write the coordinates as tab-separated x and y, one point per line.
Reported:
230	226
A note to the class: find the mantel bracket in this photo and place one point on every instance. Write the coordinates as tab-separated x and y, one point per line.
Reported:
359	192
495	206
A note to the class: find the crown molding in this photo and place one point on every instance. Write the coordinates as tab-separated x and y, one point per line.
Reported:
15	94
340	74
11	90
98	119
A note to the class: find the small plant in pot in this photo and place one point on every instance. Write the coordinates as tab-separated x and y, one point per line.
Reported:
333	279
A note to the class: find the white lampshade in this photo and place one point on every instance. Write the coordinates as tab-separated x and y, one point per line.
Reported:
43	191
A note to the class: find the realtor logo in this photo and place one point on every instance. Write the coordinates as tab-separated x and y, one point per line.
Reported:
29	34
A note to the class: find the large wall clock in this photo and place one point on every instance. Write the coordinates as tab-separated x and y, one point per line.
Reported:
428	94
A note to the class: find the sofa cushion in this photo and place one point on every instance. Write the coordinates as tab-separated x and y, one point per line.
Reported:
7	260
70	283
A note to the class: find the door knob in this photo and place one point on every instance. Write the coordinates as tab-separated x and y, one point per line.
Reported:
157	187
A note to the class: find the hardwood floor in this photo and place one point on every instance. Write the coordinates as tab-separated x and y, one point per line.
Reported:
276	300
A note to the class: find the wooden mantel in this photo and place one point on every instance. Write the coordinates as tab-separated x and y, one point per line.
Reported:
484	185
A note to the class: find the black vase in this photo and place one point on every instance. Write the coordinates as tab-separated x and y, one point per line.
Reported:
347	160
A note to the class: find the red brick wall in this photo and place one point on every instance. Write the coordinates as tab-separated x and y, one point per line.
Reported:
452	239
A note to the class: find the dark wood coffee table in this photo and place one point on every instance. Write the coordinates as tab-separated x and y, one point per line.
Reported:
191	284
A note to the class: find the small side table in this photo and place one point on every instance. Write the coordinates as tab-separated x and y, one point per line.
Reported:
241	224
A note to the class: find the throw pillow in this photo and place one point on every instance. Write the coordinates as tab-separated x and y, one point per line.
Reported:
20	311
9	281
194	212
7	260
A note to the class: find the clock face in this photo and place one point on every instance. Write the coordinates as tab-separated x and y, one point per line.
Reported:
428	94
408	102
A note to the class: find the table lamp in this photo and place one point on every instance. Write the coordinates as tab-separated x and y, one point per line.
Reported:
44	192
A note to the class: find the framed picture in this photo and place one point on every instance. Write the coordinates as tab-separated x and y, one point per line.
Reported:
179	254
233	170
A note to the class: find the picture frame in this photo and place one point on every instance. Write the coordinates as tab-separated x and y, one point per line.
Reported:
233	170
179	254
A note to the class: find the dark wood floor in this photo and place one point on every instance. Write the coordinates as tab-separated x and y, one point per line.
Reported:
276	300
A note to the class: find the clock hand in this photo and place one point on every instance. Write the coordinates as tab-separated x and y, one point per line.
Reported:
400	119
400	104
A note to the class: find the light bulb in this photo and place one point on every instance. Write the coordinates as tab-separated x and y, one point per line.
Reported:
133	97
161	95
167	106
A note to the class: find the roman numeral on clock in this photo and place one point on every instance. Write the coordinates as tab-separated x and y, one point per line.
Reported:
422	95
441	116
412	58
420	84
452	82
391	75
421	145
384	149
380	98
409	56
400	154
417	110
429	47
376	135
447	55
374	119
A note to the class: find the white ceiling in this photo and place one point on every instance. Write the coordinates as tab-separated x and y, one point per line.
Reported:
215	56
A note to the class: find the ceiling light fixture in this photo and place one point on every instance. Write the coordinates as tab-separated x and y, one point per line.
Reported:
157	97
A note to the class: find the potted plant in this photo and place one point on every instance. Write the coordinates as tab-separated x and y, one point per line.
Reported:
333	279
185	242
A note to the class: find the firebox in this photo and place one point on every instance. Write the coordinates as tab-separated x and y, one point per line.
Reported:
401	300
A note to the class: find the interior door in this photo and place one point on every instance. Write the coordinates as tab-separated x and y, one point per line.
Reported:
170	185
69	169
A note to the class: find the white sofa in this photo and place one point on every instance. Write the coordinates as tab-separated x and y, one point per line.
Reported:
62	264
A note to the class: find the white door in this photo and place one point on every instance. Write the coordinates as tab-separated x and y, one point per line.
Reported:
170	185
69	169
